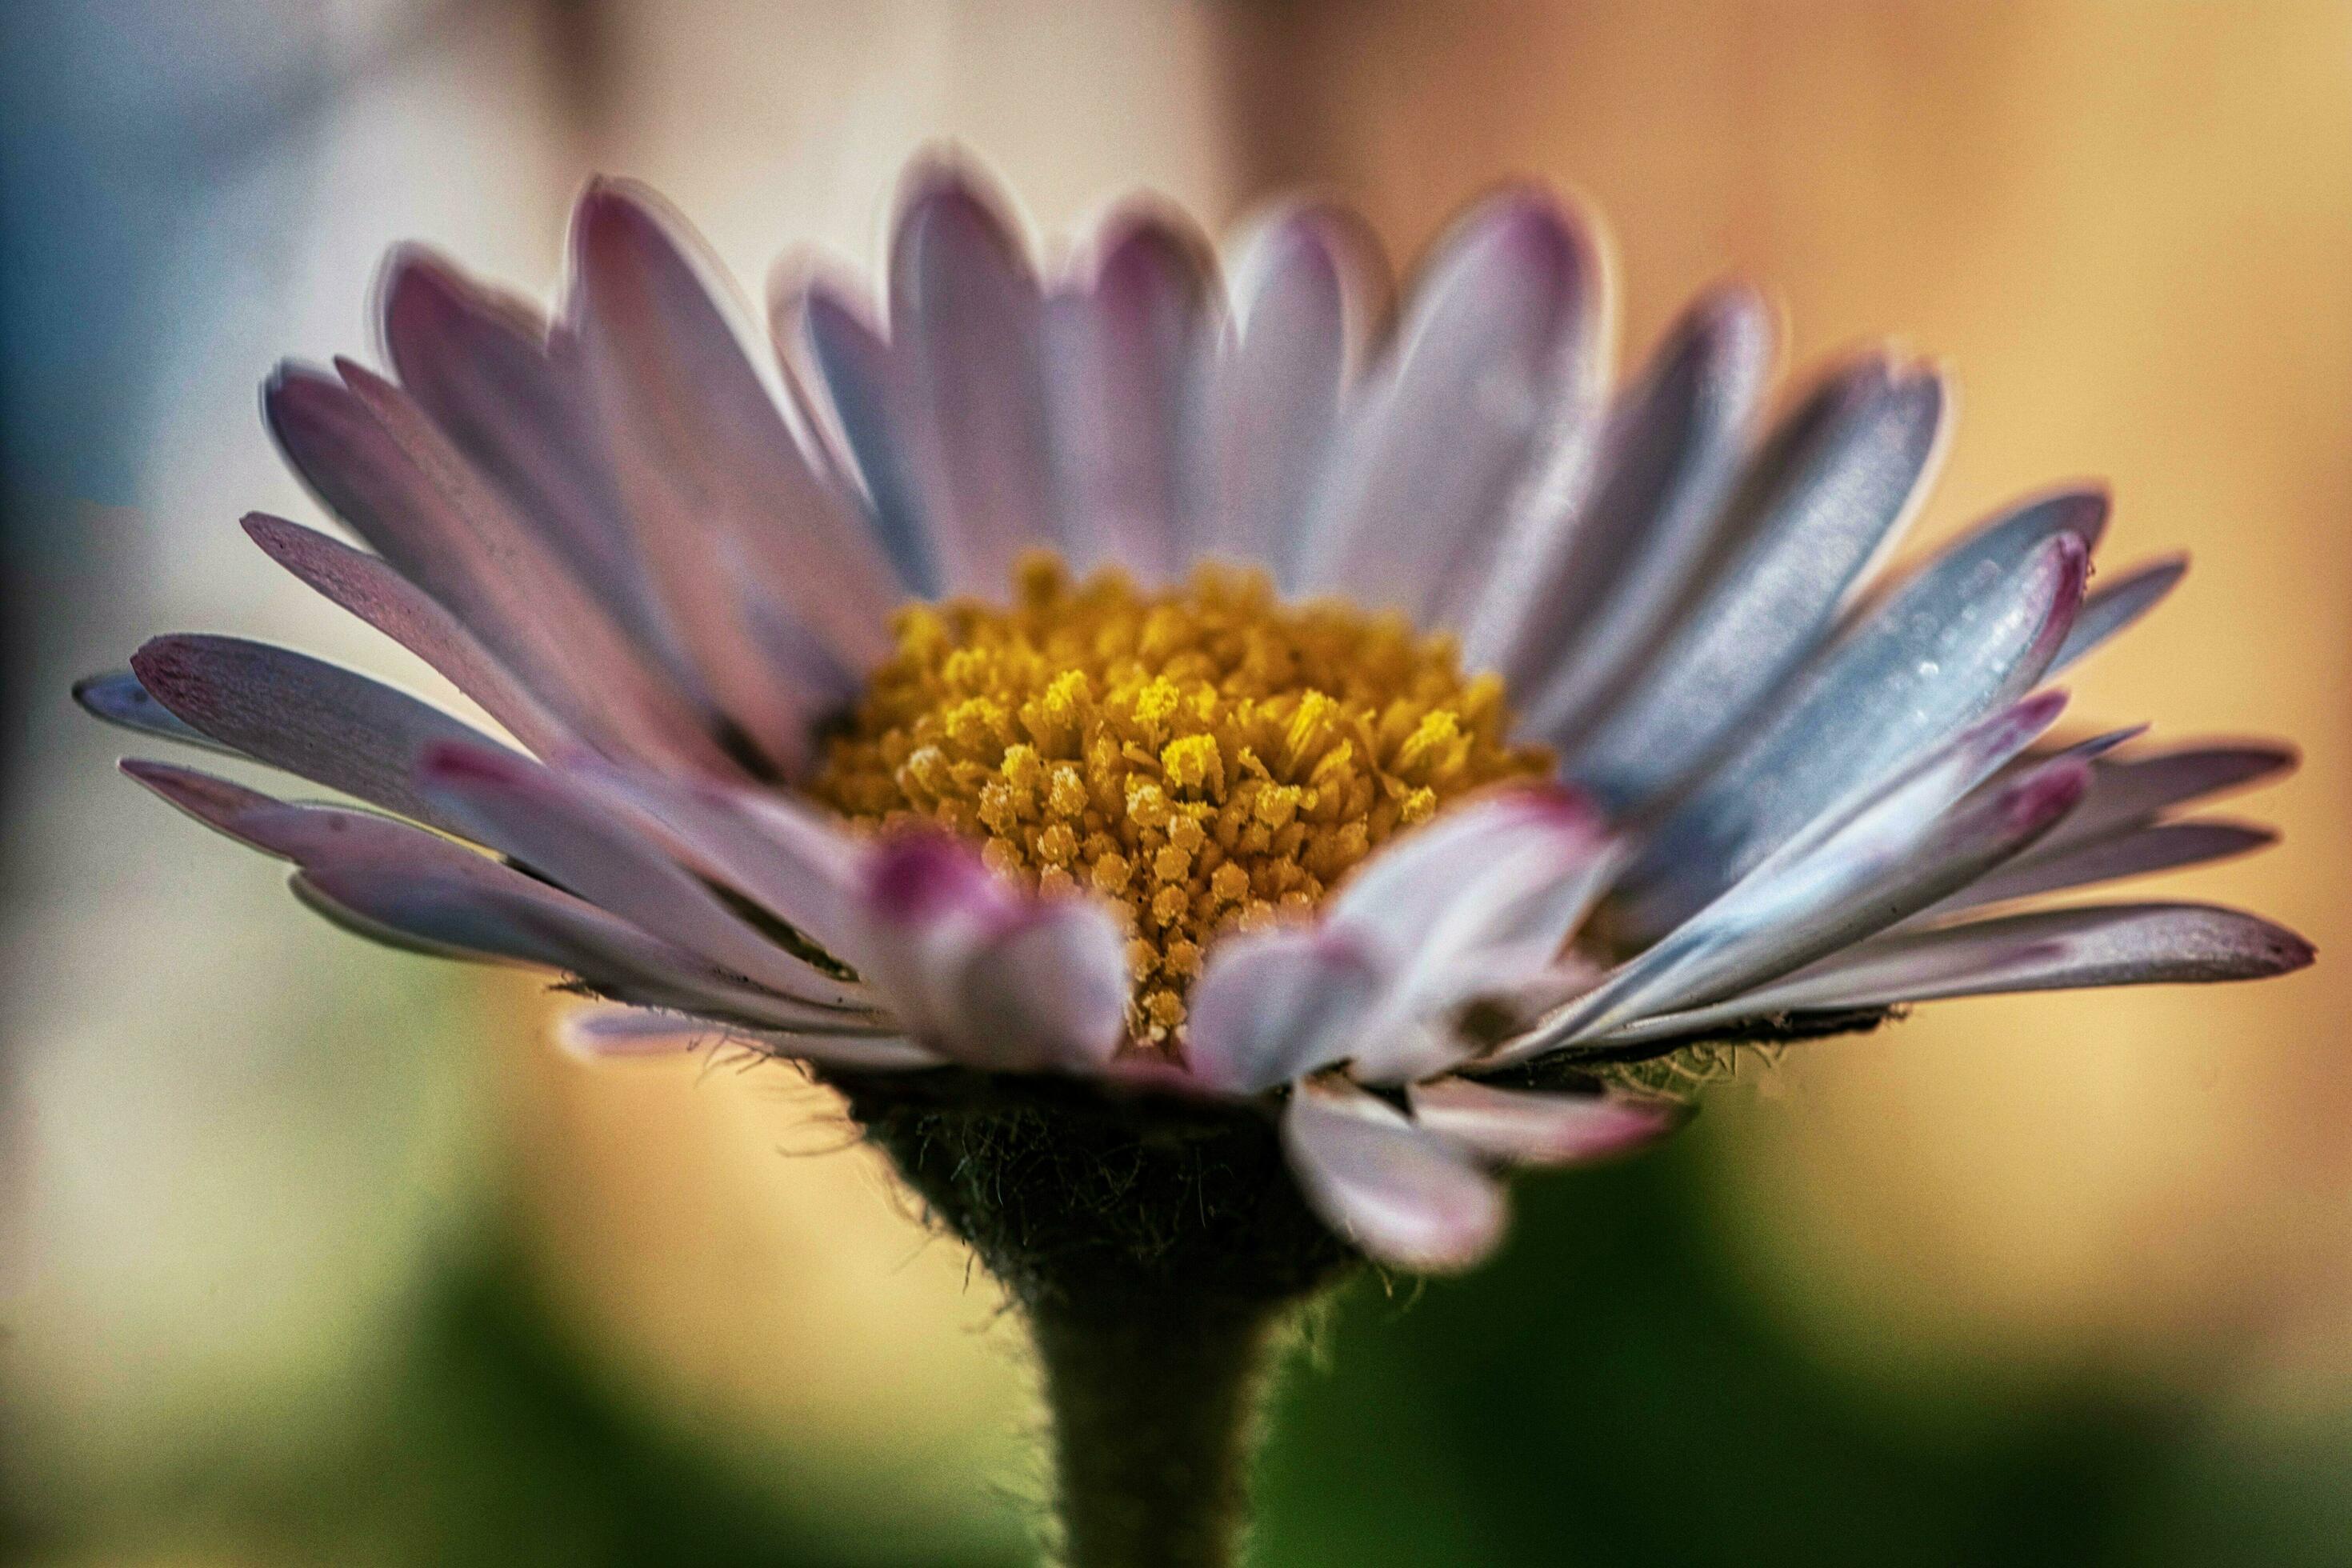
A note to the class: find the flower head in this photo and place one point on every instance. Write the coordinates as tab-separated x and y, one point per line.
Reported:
1149	713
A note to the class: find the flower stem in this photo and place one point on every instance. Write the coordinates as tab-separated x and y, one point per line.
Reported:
1155	1418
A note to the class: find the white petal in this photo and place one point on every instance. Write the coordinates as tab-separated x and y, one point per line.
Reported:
792	861
399	884
369	588
997	978
1841	878
549	823
1826	495
1309	285
1403	1197
1477	903
603	1033
700	448
1489	377
2113	606
1527	1127
2051	950
1047	990
1275	1004
967	327
1969	634
315	720
1568	629
1130	340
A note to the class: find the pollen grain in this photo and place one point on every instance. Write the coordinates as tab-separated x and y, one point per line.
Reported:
1203	756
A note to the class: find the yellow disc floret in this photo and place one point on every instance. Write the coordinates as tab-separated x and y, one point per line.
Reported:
1202	756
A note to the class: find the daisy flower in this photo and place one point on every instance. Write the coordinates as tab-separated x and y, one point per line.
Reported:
1215	770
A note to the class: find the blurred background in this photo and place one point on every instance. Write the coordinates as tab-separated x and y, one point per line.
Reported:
313	1252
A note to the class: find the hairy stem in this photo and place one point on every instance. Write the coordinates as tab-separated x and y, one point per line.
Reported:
1155	1417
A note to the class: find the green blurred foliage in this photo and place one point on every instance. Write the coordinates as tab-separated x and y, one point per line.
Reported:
1606	1393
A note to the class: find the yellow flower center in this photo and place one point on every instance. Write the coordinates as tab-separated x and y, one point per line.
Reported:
1202	755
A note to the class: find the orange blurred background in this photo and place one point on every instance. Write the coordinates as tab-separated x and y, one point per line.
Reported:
2128	229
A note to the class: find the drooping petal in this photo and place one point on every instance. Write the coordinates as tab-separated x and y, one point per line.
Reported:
314	720
1307	291
1825	495
548	823
369	588
967	329
2113	606
1403	1195
1570	629
1477	903
2051	950
399	884
604	1033
1970	633
1273	1005
1001	980
1525	1127
1488	379
1131	337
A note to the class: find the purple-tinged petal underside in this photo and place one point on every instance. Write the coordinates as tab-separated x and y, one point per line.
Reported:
1403	1195
1528	1127
2085	946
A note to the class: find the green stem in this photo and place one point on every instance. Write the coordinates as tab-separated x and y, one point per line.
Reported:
1155	1417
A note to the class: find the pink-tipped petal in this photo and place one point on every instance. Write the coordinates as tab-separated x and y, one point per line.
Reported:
312	719
831	331
1525	1127
401	885
784	855
1479	903
477	361
2125	853
369	588
1969	634
1856	870
1403	1195
2050	950
998	979
379	463
2139	786
699	444
1821	501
